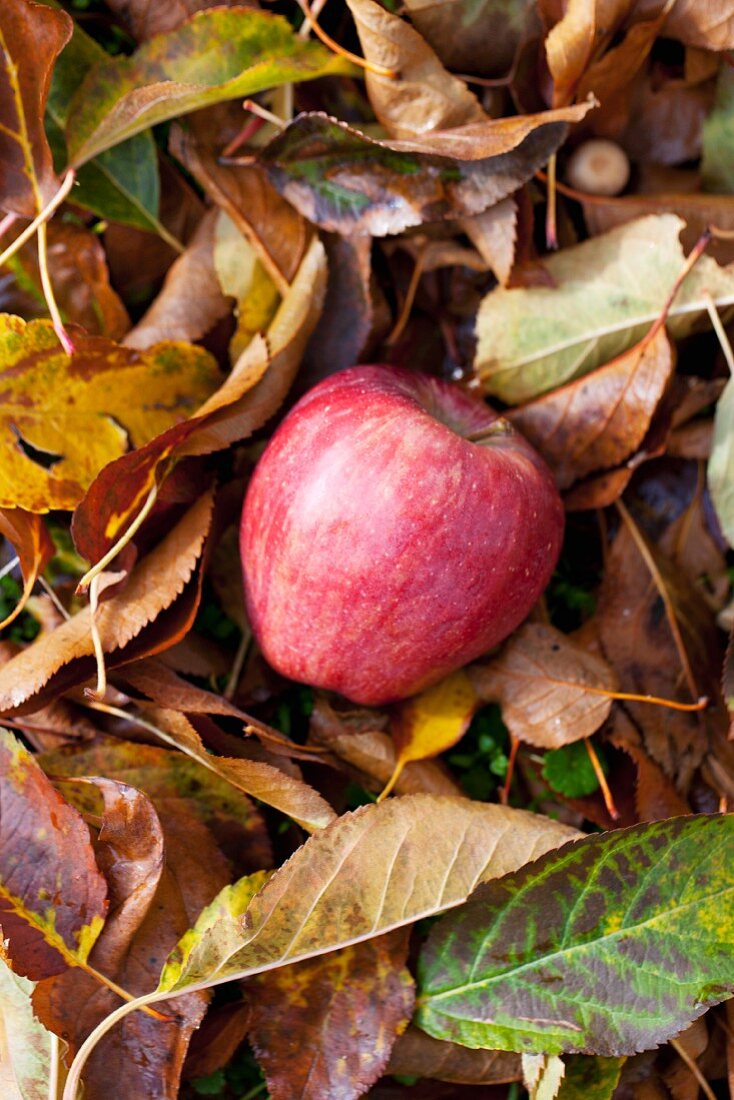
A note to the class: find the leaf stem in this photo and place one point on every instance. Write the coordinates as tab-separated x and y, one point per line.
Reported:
122	542
41	219
694	1068
378	70
48	292
602	779
720	331
551	226
6	223
101	688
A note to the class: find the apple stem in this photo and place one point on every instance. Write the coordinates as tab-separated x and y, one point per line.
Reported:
498	427
606	793
505	791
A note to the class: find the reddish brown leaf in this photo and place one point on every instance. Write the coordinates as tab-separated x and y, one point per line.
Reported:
655	794
214	1044
33	545
65	656
52	895
250	395
419	1054
709	25
27	178
540	680
600	419
323	1029
661	638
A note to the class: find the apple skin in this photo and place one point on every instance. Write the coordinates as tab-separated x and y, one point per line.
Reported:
382	549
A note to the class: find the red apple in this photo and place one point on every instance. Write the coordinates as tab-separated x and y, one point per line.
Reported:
394	529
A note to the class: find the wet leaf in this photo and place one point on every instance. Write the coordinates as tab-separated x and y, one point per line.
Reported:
540	680
27	178
249	396
344	181
34	547
608	292
608	946
52	895
216	55
375	855
325	1027
65	655
65	418
25	1045
417	1054
191	302
599	420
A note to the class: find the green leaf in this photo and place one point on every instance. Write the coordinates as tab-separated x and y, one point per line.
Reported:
589	1078
347	182
569	770
609	946
717	160
121	184
361	876
721	462
218	54
607	293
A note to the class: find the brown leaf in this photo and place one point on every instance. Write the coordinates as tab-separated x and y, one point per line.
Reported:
665	120
708	25
65	656
279	234
426	96
661	638
600	419
34	547
247	399
418	1054
80	278
655	795
471	37
163	865
494	235
146	18
52	895
540	680
27	178
215	1043
323	1029
191	301
576	38
599	491
357	740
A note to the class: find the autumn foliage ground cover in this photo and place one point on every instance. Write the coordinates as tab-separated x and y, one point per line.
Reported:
214	882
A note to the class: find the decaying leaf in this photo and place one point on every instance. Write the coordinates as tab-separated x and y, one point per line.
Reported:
608	291
27	178
25	1045
34	547
417	1053
249	396
325	1027
287	920
65	656
216	55
53	898
542	681
65	418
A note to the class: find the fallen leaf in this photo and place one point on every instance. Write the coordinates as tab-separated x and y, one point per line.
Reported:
273	227
600	419
325	1027
429	723
541	680
659	636
475	36
520	966
268	784
720	471
25	1045
425	96
371	752
417	1054
214	1044
216	55
543	1075
494	235
66	417
27	178
146	18
709	26
608	291
346	182
589	1078
52	895
249	396
570	44
34	547
161	864
191	301
309	907
65	656
718	139
655	795
242	276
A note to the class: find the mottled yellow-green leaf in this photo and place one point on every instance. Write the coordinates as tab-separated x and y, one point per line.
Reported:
25	1045
242	276
62	418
